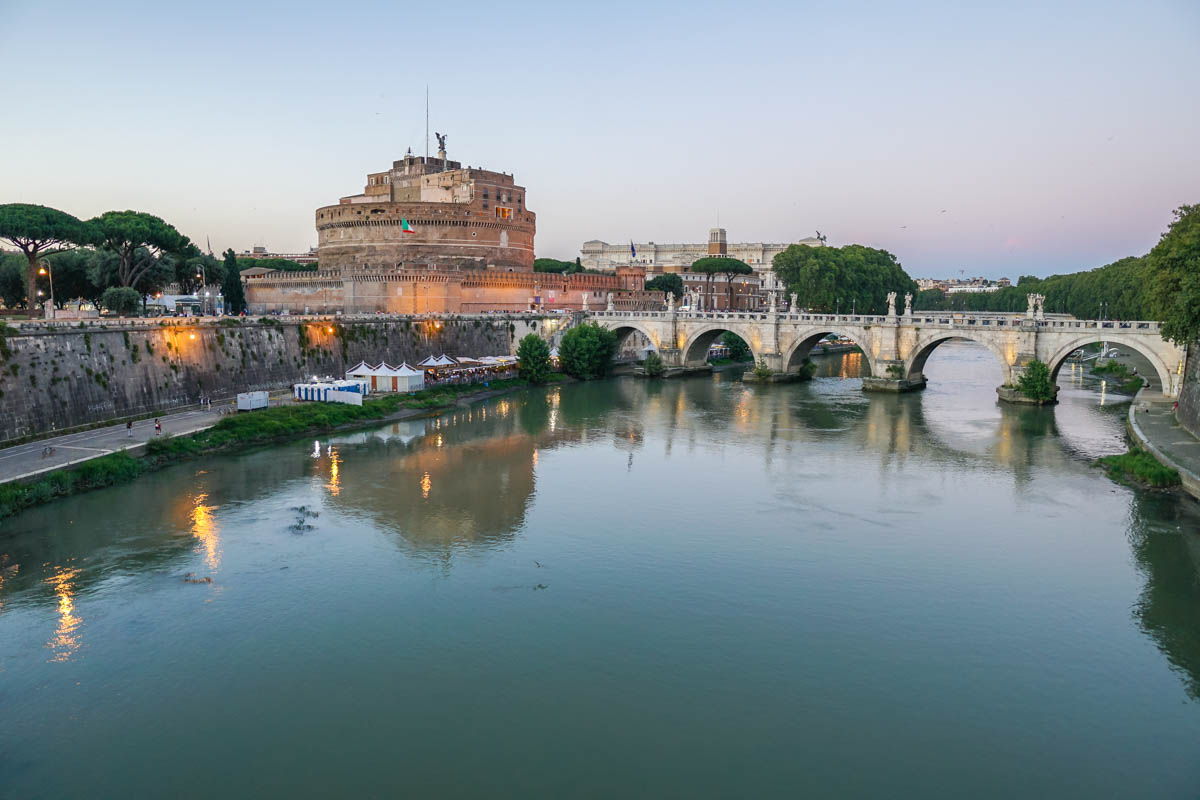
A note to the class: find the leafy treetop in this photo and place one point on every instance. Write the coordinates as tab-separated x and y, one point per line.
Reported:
667	282
38	231
854	276
123	232
1174	264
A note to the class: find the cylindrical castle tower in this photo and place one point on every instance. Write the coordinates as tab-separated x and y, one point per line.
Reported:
429	212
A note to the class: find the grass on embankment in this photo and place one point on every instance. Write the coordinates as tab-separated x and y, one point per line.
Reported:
1139	466
231	433
1127	382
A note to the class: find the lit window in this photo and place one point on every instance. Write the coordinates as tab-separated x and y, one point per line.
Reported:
503	213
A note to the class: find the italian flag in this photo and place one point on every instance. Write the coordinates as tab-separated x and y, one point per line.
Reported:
405	227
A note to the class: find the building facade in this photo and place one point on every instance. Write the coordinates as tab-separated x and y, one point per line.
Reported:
658	258
260	251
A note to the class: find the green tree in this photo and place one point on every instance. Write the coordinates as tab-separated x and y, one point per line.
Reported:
12	279
124	232
731	268
194	273
38	231
283	264
842	278
533	358
73	271
654	365
232	289
667	282
1174	266
587	351
554	265
738	349
121	300
709	267
1035	382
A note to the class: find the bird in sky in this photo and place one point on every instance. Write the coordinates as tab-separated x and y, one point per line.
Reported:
943	211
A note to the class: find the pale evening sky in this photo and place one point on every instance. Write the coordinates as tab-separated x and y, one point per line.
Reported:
1056	136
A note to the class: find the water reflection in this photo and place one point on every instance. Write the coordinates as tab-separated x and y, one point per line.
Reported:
204	528
466	481
1165	537
66	640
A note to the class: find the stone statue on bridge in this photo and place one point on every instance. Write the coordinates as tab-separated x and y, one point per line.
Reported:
671	302
774	304
610	306
793	306
908	309
891	298
585	303
1036	306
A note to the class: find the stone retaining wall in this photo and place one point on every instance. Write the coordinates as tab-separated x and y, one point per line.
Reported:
62	378
1188	413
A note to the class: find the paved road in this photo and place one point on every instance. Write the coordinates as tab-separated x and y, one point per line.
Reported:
26	459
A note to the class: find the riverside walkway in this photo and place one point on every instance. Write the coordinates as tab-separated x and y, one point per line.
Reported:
28	460
1152	421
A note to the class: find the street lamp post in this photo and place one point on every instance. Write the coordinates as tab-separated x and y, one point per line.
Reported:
48	271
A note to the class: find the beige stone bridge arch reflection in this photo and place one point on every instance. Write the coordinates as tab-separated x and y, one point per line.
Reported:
896	347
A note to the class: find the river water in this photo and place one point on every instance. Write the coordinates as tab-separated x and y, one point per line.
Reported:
691	588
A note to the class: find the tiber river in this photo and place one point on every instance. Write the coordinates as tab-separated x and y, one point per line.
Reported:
622	589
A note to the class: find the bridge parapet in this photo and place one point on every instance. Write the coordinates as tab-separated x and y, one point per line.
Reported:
896	347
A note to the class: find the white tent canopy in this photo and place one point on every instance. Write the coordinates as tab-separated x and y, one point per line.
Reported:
438	361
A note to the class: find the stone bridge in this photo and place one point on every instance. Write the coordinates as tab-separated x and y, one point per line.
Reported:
896	346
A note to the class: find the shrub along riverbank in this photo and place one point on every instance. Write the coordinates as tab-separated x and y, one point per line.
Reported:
235	433
1138	466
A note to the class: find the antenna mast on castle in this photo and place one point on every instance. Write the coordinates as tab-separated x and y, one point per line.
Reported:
426	123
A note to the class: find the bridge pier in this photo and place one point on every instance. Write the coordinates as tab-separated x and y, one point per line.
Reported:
895	379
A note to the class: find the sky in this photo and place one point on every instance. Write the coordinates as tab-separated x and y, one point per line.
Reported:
1001	139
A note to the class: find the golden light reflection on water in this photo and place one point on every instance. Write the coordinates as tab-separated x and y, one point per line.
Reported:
335	473
851	365
66	640
204	528
426	485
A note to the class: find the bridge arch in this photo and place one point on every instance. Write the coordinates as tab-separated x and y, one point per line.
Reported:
624	330
1163	370
915	364
794	354
695	350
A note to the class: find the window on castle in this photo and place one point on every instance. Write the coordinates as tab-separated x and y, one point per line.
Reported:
503	213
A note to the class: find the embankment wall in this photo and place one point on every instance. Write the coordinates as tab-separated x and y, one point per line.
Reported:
1188	413
55	378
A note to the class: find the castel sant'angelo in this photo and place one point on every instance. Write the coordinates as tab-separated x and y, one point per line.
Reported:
429	235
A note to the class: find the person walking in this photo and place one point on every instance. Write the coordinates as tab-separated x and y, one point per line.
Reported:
157	427
129	429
